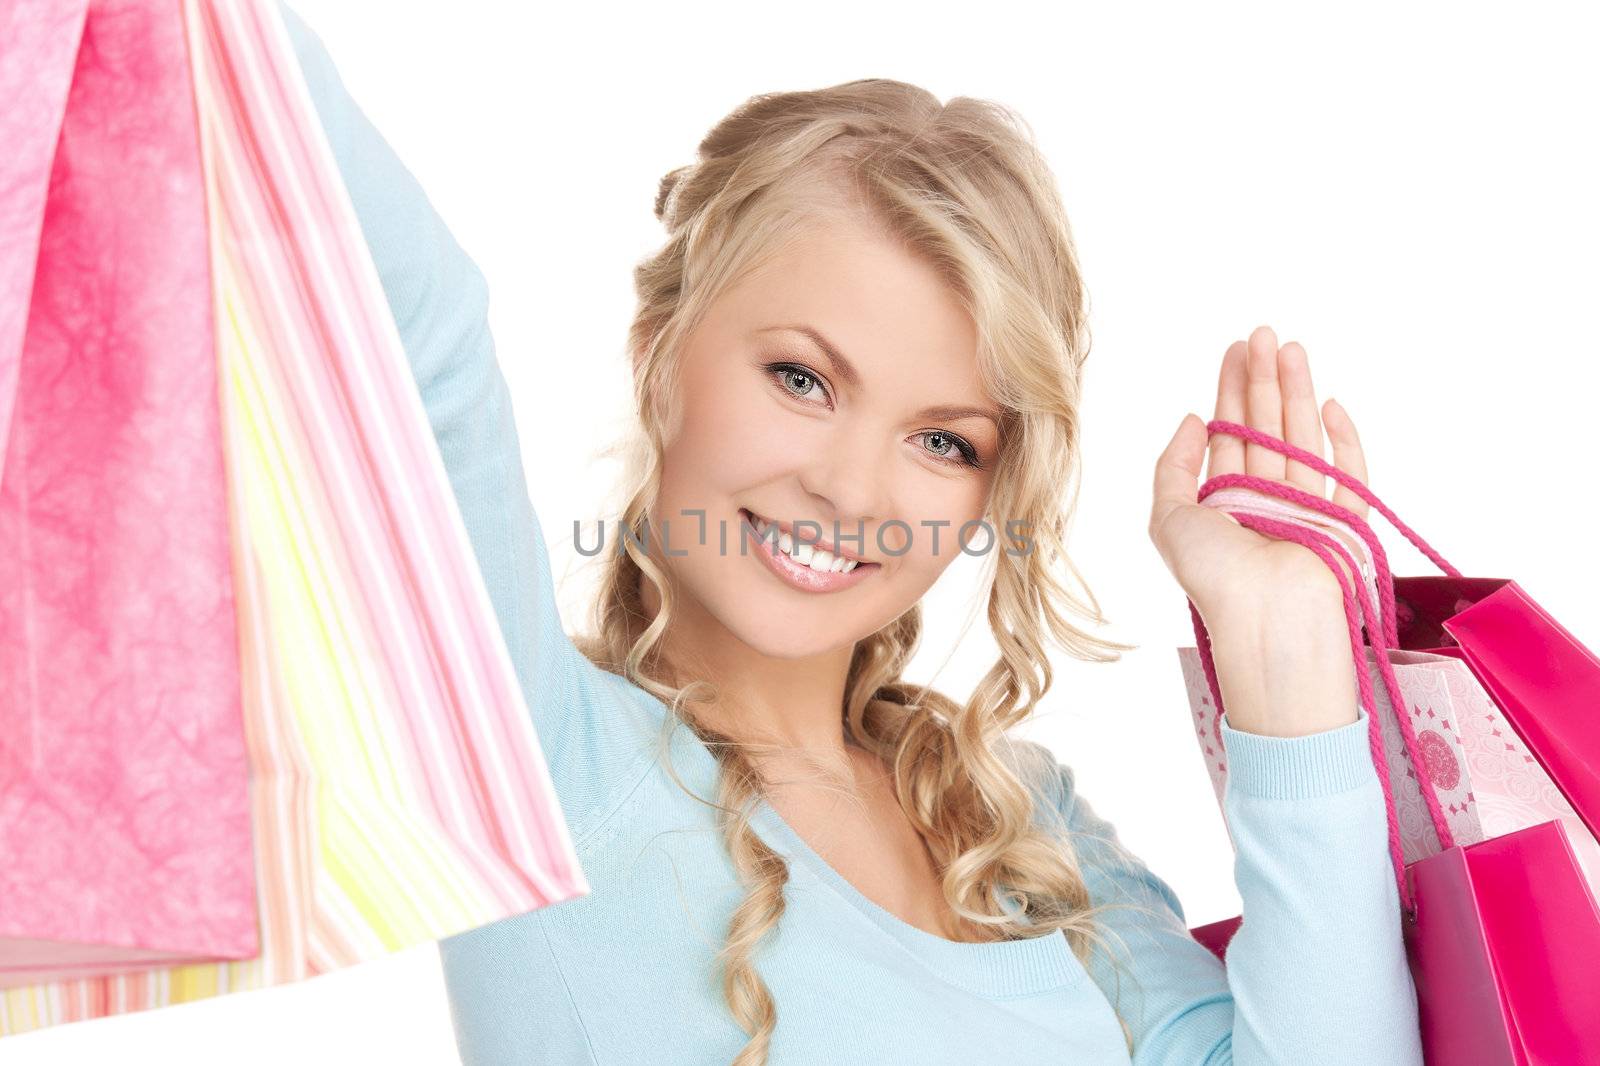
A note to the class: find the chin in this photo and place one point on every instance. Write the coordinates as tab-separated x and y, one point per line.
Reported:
775	630
769	621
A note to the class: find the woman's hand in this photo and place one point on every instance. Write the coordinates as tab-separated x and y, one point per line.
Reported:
1272	608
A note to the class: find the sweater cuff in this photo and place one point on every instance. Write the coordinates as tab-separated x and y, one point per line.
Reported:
1316	764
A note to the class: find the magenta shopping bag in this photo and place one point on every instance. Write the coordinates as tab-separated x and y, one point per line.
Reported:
1545	683
124	808
1502	934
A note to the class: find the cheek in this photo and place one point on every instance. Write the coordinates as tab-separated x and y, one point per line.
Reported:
727	443
936	520
734	437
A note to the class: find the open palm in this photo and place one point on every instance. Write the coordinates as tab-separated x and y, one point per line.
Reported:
1215	559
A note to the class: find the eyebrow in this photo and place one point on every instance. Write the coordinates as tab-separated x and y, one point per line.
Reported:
846	370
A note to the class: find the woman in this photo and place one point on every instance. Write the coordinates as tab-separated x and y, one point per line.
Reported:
866	328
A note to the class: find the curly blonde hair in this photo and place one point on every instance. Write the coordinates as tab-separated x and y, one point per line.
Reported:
962	184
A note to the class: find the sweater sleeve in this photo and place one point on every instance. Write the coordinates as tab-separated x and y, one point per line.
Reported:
1317	971
440	303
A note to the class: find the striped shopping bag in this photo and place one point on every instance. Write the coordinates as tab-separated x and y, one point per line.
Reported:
397	789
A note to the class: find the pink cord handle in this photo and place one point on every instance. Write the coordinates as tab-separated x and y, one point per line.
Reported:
1327	548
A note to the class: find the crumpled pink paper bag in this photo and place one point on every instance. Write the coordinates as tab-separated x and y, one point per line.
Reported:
125	832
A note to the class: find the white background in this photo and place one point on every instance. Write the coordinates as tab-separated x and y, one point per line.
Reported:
1406	190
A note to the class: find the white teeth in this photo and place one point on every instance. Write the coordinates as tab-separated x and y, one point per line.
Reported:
824	562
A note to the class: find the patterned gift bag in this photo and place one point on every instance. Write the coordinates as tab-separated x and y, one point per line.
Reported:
1435	691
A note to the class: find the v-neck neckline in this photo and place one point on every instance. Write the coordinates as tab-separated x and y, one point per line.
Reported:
992	969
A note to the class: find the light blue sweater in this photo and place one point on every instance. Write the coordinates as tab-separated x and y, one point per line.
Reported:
625	976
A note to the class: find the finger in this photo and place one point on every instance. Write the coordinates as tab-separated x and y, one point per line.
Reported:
1178	471
1302	424
1347	456
1227	451
1264	404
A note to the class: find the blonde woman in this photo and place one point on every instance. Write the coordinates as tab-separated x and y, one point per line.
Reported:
866	327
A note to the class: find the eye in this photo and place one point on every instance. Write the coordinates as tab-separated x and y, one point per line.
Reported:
947	447
797	380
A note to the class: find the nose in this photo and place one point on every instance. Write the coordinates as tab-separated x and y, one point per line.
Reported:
845	481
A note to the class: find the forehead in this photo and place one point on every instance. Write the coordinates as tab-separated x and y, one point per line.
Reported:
887	309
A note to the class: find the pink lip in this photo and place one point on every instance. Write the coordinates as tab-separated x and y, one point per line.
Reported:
801	577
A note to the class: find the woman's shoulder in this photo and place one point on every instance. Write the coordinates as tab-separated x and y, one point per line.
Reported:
1110	870
1050	780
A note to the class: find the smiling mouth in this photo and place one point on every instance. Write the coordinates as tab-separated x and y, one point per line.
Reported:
803	565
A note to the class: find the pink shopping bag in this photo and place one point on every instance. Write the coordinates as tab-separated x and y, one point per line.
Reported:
1501	933
124	809
397	790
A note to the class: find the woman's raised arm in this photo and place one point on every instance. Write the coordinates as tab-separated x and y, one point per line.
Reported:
440	303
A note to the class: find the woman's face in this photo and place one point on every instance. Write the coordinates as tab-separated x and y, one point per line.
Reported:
835	393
